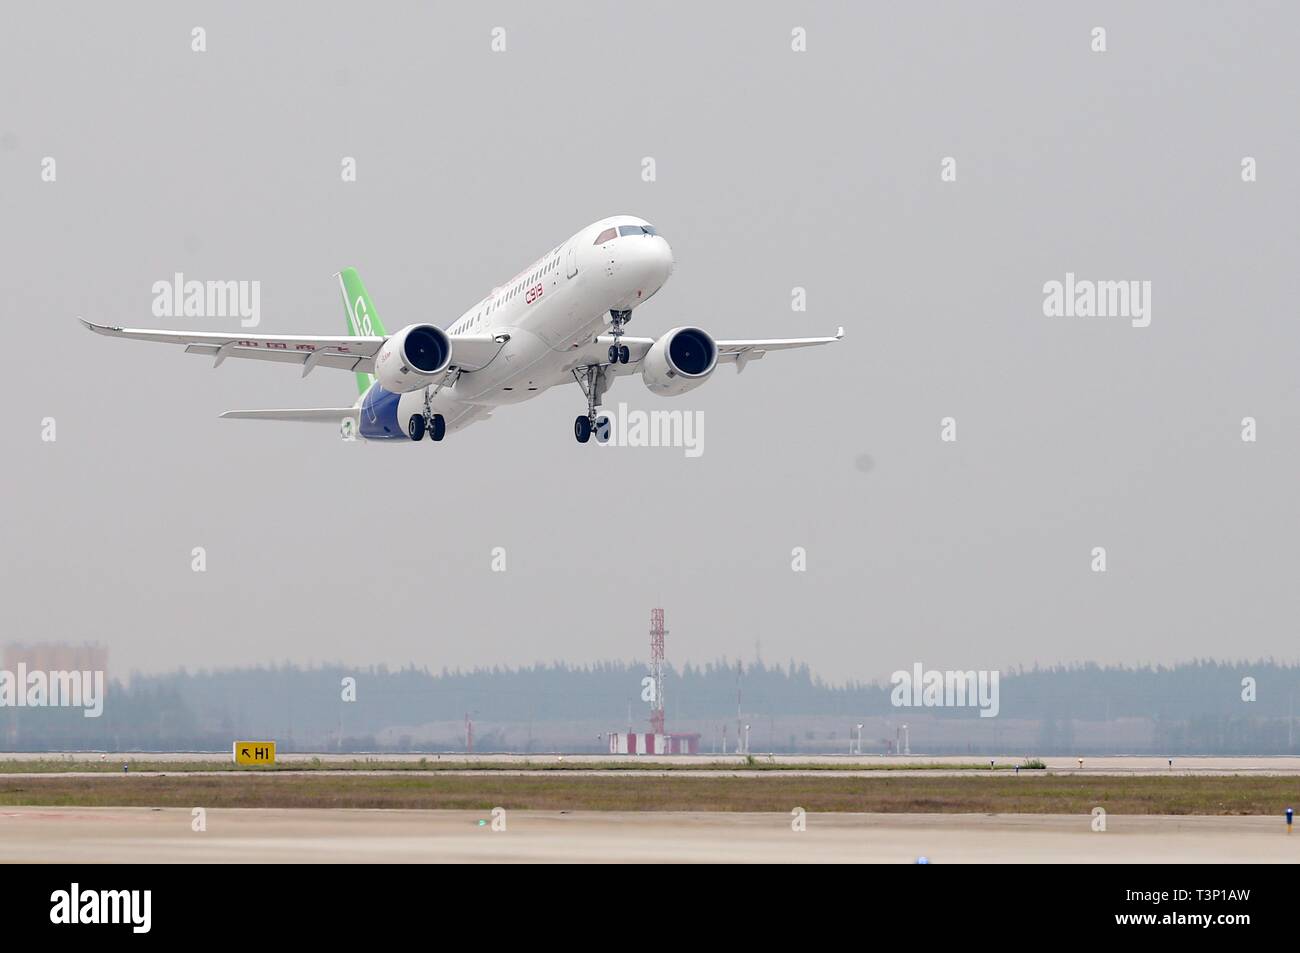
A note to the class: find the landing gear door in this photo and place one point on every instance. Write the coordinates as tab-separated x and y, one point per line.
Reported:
572	261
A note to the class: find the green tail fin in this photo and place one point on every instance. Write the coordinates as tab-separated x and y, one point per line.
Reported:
363	320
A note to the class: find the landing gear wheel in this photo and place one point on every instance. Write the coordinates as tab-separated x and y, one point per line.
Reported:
582	429
614	353
415	427
624	354
437	427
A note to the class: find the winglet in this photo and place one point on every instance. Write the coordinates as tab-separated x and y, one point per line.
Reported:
98	328
839	334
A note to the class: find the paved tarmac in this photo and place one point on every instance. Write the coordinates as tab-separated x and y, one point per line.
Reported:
116	835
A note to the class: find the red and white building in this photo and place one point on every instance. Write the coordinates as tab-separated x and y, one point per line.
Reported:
649	742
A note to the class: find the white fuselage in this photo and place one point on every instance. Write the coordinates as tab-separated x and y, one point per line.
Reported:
549	311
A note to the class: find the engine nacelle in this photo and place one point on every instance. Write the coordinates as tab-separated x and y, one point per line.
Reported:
413	358
679	361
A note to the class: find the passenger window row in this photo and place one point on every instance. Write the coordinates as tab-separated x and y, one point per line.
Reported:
552	263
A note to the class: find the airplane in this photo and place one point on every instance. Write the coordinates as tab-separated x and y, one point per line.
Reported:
561	319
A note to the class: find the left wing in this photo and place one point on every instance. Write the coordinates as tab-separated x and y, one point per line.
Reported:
469	352
742	352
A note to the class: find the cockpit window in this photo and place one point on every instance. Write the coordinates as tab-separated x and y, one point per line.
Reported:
605	236
636	230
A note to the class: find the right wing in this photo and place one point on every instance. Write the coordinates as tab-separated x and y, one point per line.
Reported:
329	415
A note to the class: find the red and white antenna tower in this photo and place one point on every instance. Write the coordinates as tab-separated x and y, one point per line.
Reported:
657	670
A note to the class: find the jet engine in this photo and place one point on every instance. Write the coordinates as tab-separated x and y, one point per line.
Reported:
679	361
413	358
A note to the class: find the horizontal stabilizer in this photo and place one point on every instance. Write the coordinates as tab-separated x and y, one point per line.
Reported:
324	415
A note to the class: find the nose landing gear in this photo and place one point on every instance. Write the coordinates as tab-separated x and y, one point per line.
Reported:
618	353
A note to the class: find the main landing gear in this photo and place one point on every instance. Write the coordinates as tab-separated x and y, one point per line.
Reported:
435	425
592	381
618	353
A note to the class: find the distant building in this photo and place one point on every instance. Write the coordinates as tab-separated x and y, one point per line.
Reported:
648	742
56	657
683	742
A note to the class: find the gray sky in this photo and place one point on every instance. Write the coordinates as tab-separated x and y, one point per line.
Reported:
775	169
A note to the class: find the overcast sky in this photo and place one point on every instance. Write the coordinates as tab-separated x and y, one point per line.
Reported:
775	169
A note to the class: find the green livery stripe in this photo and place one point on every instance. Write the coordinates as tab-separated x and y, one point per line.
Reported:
363	320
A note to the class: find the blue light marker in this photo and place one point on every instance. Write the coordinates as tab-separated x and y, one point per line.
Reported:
1289	814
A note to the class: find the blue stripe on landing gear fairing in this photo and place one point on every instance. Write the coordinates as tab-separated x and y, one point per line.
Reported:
379	416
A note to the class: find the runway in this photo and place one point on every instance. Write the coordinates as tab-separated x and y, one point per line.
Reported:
144	835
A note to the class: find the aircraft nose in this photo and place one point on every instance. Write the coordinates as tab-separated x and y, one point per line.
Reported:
653	259
664	258
641	264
